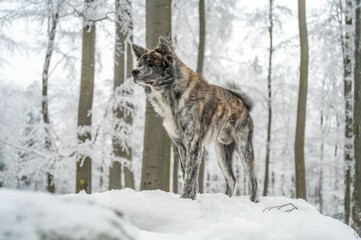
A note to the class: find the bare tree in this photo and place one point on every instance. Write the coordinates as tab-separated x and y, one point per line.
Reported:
175	168
84	165
269	101
122	68
347	51
53	19
356	195
201	47
156	153
128	172
302	103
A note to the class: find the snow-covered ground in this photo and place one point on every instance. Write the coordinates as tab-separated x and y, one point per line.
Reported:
126	214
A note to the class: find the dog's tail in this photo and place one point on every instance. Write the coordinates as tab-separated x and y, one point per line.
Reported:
236	90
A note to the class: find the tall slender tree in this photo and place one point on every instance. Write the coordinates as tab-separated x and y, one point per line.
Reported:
302	103
269	100
53	8
122	69
356	195
84	165
347	50
128	172
156	153
201	47
175	168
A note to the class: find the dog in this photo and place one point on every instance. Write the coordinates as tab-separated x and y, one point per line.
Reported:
196	113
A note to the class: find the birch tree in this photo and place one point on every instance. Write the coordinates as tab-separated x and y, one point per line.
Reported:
302	102
156	153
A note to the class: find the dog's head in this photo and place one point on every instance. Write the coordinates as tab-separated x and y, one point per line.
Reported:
155	67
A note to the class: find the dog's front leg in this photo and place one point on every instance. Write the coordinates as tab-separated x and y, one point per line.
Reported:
193	161
182	154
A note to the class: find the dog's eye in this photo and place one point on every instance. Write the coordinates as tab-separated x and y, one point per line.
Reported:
151	64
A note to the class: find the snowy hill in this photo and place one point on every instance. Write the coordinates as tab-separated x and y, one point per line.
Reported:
158	215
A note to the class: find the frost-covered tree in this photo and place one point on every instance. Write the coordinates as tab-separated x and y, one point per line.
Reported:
347	50
269	105
84	164
53	8
122	115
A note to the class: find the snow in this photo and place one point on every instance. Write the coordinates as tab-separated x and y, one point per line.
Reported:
160	215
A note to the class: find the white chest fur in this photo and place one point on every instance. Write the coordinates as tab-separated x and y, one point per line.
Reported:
164	110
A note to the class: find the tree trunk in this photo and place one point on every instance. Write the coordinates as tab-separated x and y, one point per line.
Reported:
200	61
356	195
53	21
302	103
202	36
175	168
84	165
269	101
128	172
320	176
156	153
121	70
347	43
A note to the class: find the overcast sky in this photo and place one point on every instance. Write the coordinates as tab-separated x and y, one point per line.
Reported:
24	69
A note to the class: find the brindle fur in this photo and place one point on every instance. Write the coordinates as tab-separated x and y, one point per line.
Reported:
195	113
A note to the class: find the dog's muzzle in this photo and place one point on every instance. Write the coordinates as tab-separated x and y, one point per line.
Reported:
135	72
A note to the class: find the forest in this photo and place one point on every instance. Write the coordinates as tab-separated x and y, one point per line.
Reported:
73	123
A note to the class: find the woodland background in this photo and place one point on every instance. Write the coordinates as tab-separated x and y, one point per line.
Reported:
72	119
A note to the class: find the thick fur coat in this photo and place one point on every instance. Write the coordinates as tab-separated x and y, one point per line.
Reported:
195	113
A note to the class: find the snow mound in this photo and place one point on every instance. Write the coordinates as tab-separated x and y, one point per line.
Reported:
33	216
157	215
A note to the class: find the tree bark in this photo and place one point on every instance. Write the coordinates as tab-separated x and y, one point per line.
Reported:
156	153
128	172
356	195
347	43
200	61
122	69
115	169
175	168
84	164
53	21
320	176
269	101
302	103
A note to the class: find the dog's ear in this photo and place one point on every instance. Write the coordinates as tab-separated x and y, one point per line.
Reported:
165	48
138	51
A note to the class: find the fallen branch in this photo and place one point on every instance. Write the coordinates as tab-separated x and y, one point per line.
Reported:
282	206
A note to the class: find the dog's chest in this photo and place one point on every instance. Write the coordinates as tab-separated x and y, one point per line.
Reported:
163	109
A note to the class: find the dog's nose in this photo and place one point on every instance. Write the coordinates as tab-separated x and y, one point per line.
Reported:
135	72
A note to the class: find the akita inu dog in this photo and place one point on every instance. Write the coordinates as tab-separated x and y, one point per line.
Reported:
195	113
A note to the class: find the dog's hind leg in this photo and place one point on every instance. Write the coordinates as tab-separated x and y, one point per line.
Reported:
245	151
225	160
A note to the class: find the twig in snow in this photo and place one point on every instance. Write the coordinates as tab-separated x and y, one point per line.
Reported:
282	206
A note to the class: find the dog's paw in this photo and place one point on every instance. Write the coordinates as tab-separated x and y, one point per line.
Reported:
189	196
255	199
